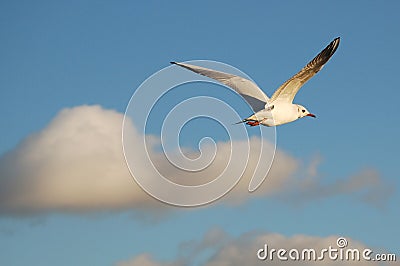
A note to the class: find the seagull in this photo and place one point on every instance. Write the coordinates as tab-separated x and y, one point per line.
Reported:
279	109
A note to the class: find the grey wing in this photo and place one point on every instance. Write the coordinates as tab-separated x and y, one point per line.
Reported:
246	88
288	90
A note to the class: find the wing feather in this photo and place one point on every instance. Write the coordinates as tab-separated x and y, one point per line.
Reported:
246	88
288	90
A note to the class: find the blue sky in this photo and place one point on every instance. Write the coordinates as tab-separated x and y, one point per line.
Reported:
66	54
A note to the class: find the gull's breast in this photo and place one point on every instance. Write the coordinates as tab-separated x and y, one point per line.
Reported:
284	113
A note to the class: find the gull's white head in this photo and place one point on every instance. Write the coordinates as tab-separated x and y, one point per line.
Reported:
302	111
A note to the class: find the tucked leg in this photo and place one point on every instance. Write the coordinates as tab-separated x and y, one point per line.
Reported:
253	123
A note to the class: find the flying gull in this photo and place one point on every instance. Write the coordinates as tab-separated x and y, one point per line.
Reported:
279	109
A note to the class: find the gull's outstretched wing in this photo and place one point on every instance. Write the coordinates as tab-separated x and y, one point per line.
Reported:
246	88
287	91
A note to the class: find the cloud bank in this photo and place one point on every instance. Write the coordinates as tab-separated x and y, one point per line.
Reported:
76	165
242	250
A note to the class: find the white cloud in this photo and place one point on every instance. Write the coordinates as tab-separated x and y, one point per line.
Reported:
243	251
76	164
147	260
367	185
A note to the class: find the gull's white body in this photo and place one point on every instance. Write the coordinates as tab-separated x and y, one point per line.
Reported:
282	113
279	109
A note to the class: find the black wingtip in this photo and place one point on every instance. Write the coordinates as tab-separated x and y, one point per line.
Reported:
173	62
336	41
331	48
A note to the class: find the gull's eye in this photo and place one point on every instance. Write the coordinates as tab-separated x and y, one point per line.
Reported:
303	110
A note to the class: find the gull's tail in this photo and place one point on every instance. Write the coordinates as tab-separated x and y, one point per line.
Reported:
240	122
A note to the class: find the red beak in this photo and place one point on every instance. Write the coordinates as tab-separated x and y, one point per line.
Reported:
312	115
